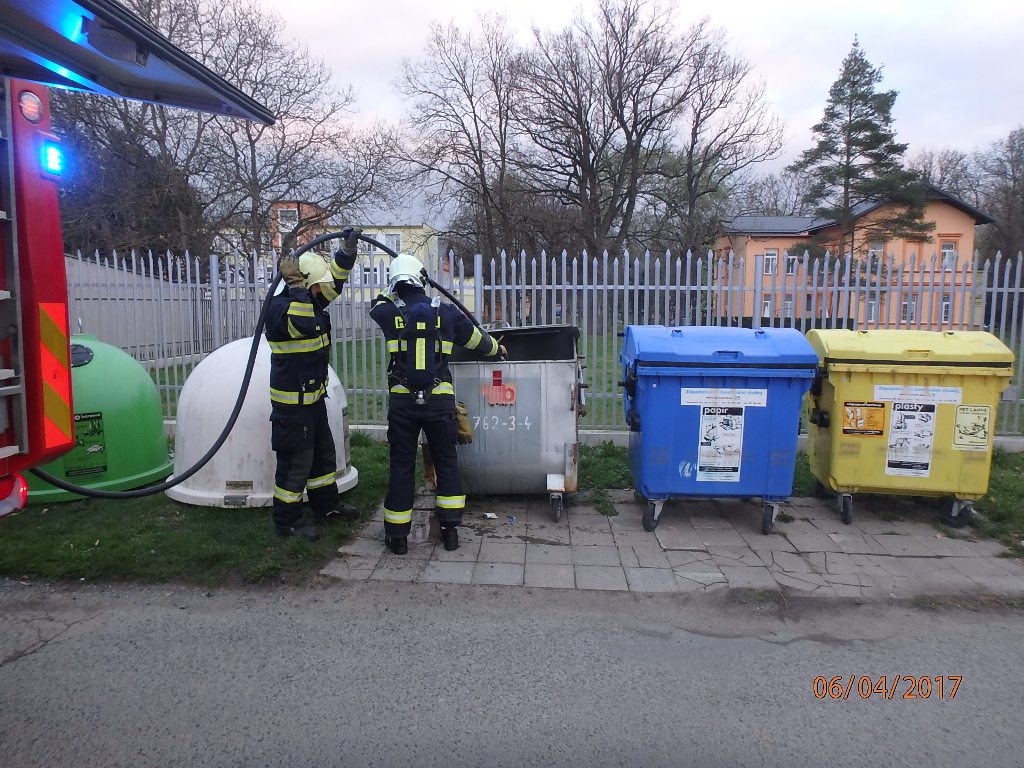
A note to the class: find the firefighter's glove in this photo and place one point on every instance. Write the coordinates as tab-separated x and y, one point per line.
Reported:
350	240
288	267
502	352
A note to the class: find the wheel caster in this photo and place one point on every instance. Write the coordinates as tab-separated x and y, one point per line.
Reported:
957	514
768	513
651	515
846	508
557	505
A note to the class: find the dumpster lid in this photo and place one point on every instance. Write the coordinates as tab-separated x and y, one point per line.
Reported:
713	346
976	349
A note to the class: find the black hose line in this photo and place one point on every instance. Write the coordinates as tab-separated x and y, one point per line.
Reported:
152	490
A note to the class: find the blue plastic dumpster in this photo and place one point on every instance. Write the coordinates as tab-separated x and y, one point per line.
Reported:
714	412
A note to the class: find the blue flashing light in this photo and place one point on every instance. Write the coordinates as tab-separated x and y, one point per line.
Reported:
52	158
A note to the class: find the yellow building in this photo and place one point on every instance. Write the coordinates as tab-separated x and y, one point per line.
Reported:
927	296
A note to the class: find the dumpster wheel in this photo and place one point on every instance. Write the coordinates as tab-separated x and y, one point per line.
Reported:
846	508
557	504
768	514
651	515
957	513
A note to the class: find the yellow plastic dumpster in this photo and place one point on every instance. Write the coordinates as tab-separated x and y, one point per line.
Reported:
905	412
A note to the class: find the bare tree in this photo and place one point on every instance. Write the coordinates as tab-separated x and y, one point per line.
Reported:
777	194
950	170
459	135
1002	194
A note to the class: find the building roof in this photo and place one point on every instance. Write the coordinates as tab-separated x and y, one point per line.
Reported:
805	225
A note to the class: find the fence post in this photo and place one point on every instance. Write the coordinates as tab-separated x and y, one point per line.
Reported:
478	282
215	322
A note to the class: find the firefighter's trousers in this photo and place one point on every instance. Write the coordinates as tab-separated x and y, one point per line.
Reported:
306	460
437	421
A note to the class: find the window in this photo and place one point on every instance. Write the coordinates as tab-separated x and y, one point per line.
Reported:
787	307
947	307
876	250
949	254
771	259
371	275
809	302
766	308
872	314
908	310
393	241
791	262
287	220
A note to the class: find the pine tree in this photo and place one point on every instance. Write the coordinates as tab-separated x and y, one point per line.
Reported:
857	161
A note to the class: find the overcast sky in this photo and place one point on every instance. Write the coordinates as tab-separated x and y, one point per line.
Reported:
955	63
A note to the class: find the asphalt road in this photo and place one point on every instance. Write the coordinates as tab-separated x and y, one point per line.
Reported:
387	674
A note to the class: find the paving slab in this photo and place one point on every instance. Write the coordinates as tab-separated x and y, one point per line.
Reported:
510	574
448	572
548	554
651	580
557	576
604	577
595	554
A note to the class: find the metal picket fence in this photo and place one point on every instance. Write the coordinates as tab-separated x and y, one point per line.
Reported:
169	311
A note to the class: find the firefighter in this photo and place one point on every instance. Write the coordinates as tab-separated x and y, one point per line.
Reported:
420	333
298	328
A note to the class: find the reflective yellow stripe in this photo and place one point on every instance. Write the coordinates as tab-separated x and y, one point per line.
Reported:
288	497
300	345
294	398
301	309
444	388
400	389
392	345
451	502
391	516
338	272
320	482
474	340
399	321
329	291
294	332
421	354
494	346
446	347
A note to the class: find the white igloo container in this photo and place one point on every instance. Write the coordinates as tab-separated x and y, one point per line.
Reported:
241	474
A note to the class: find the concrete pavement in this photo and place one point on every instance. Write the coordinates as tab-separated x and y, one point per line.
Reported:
893	549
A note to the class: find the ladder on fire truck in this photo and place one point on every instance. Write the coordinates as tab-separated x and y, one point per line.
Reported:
13	416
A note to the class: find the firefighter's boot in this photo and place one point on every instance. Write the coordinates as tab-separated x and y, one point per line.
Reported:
399	545
450	537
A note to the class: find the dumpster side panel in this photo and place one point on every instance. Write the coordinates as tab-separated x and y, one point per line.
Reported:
935	440
524	424
691	443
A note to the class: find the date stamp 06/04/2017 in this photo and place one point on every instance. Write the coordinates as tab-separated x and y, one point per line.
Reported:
886	687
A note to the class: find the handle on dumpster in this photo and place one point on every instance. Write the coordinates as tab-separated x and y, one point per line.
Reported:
732	354
918	353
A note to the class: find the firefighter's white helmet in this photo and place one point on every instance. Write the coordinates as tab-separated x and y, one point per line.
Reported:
405	268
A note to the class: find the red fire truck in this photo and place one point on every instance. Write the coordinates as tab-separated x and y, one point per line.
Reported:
88	45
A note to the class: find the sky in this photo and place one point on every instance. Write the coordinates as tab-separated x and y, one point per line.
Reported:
955	63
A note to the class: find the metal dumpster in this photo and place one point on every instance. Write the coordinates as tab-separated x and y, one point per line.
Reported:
905	412
714	412
524	412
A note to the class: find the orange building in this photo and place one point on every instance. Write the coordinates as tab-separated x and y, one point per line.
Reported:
926	284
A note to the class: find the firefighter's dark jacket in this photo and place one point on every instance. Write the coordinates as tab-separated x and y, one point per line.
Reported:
299	332
456	328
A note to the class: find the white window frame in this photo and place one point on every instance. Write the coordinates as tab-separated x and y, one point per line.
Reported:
878	252
809	302
909	303
371	275
766	308
949	255
787	306
871	316
946	307
792	260
393	240
771	261
283	228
